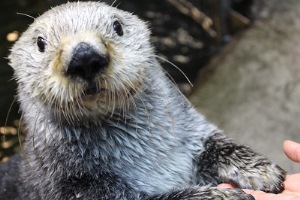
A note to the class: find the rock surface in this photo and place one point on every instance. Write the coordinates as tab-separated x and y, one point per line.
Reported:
252	91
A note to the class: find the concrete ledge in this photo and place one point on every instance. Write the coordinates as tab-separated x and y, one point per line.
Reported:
253	91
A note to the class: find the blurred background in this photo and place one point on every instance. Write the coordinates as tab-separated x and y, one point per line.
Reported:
242	57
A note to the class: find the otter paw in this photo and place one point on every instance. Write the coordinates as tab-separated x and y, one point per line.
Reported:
224	194
205	193
264	176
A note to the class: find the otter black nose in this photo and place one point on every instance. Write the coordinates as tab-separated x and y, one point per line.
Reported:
86	62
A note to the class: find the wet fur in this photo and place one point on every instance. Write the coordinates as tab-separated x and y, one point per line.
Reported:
139	138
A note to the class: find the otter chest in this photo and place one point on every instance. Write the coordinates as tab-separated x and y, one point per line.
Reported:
148	162
155	171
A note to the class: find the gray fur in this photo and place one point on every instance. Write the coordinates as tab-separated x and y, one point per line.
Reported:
141	139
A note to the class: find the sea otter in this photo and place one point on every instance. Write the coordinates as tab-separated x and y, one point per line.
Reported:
104	121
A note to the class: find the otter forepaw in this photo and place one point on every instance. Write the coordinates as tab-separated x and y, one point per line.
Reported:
240	165
205	193
253	172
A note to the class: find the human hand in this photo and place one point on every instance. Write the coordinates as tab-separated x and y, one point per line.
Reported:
291	184
291	190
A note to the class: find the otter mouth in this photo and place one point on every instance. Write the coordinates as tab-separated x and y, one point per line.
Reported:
93	90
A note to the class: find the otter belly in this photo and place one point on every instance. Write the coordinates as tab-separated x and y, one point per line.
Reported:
157	171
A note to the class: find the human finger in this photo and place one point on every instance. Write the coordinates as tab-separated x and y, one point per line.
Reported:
292	150
225	185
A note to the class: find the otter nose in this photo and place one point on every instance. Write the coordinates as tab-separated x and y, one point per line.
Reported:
86	62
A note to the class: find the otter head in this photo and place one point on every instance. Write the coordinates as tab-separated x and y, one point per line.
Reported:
82	61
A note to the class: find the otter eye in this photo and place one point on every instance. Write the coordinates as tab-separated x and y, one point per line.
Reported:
41	43
118	28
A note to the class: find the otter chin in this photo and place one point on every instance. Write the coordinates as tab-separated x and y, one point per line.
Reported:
103	121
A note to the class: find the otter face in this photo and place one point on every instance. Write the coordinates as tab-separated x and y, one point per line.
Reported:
82	60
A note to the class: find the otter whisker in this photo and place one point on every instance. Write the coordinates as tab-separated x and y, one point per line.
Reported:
108	100
58	116
78	106
35	130
48	135
128	101
169	76
19	128
27	15
166	106
114	99
128	94
148	115
78	101
172	64
125	103
6	119
9	110
19	134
